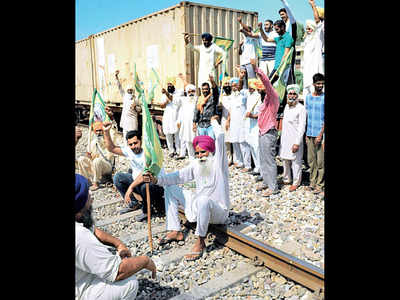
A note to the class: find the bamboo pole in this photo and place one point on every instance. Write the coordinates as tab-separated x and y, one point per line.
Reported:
149	216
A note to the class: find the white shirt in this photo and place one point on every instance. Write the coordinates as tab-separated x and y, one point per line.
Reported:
129	115
293	128
207	61
253	104
215	186
171	111
225	102
249	51
185	118
237	130
136	161
95	266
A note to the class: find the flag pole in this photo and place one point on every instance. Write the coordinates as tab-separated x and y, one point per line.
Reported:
149	216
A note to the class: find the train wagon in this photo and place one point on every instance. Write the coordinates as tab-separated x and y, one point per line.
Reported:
152	41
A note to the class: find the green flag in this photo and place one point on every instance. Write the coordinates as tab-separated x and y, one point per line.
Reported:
225	44
154	81
150	141
283	72
97	109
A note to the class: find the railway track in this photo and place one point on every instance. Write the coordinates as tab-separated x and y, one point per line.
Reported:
251	257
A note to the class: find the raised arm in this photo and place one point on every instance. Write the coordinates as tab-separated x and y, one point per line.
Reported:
108	141
121	90
315	11
270	91
289	12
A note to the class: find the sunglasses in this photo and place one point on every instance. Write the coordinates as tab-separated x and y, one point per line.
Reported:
198	152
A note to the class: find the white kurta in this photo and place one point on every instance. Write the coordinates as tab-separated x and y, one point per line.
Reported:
210	202
185	118
313	60
237	128
293	128
225	102
252	105
170	116
129	116
207	61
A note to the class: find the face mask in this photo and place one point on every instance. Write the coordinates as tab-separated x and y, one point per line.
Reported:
171	89
227	89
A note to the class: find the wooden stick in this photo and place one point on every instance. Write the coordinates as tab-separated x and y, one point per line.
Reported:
149	215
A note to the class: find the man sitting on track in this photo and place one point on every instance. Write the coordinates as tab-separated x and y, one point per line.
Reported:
210	203
100	274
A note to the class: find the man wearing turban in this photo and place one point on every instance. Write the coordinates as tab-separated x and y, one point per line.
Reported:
185	121
171	102
130	107
293	128
100	274
210	202
208	54
98	162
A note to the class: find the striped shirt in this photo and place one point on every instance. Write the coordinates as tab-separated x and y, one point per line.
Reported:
268	48
315	114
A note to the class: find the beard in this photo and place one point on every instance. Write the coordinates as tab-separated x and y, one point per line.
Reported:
205	165
192	99
87	218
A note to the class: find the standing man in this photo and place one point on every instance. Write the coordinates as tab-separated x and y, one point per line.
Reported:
267	61
206	107
251	118
210	203
247	51
315	103
100	274
237	130
208	53
293	128
185	122
268	135
224	104
171	102
130	108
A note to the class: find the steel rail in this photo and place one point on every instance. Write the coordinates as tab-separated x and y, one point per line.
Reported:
289	266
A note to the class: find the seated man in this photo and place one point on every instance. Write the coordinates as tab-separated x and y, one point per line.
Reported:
210	203
98	162
100	274
130	186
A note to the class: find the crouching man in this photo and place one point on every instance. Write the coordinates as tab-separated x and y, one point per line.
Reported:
210	203
100	274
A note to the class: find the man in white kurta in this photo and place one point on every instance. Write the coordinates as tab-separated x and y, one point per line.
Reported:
237	130
293	128
185	122
210	202
225	116
208	52
171	102
130	108
251	124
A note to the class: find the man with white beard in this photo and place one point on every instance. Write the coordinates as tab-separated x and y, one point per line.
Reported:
130	108
98	161
185	122
210	202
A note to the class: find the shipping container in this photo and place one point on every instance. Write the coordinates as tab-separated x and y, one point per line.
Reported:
153	41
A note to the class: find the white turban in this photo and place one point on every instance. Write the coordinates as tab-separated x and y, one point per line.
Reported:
190	87
293	87
311	23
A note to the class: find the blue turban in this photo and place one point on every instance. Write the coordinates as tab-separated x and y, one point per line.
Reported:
81	192
234	80
207	36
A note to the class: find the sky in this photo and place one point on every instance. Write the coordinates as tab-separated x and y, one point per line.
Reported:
93	16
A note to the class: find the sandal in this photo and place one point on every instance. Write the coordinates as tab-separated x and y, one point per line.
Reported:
198	255
165	241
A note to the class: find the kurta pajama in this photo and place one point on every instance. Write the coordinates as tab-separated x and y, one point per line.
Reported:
169	122
186	133
210	202
293	128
